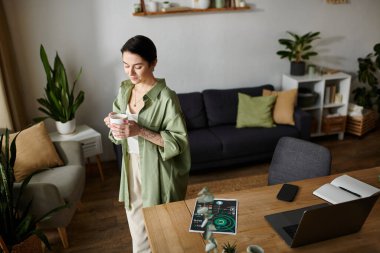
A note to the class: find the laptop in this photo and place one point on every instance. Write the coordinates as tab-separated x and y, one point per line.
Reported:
321	222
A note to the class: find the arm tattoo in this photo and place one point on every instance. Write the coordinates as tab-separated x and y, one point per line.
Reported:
152	136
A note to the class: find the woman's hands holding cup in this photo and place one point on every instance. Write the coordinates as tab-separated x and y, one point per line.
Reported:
120	126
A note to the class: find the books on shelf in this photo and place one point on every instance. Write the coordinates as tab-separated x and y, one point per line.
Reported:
224	216
345	188
330	94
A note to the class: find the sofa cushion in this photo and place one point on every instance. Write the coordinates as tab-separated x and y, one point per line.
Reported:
239	142
221	105
204	146
255	111
193	108
35	151
283	112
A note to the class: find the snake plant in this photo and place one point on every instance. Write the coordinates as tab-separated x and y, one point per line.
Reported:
59	102
16	222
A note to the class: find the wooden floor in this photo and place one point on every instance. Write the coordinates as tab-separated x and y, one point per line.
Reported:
101	225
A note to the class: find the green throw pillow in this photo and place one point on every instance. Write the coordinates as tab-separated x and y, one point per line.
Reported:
255	111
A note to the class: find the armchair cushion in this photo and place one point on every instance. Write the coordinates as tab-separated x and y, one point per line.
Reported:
35	151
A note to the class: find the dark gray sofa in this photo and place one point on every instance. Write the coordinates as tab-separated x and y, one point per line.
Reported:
215	141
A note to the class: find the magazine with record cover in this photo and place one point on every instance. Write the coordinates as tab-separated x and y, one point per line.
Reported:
224	216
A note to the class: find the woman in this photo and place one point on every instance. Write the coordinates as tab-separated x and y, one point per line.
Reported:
156	157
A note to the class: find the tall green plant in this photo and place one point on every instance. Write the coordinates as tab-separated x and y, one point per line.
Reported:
298	48
16	222
369	67
59	102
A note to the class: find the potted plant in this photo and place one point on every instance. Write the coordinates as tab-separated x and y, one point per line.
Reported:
59	102
17	226
229	248
298	49
166	4
368	95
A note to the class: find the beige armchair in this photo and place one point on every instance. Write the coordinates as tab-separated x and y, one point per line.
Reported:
57	186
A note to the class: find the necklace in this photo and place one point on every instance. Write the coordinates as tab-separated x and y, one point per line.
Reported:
137	101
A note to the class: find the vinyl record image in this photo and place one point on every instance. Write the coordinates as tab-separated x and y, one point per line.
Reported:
224	223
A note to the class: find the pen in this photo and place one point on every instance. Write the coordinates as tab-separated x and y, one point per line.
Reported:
344	189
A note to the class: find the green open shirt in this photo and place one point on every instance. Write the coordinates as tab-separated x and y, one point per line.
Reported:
164	170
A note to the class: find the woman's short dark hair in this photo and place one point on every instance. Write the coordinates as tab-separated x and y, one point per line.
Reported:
142	46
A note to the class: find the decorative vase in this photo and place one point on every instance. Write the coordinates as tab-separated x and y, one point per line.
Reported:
203	4
67	127
195	4
297	68
152	6
219	4
31	245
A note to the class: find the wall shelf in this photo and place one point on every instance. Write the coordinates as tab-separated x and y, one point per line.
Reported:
142	14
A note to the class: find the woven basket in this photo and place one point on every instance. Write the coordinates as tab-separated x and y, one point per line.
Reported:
360	125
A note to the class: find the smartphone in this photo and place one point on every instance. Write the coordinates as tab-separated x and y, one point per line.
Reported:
287	192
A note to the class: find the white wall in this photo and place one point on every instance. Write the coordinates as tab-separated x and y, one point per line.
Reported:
195	52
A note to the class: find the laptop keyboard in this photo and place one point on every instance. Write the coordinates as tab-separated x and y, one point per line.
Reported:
291	230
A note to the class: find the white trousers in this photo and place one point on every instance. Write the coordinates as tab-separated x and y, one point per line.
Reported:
135	216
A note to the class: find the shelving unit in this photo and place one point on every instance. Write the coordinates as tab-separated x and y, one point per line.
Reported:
323	106
187	11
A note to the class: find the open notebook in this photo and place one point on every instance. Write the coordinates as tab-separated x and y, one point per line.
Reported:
345	188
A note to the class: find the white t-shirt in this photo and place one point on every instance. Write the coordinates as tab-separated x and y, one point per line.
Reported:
133	143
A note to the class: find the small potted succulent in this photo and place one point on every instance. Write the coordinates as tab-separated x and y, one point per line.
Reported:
229	248
297	50
166	4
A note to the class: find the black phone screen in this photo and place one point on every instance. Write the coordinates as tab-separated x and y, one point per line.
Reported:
287	192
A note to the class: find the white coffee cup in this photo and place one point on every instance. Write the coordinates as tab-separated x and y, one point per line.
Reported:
118	118
254	249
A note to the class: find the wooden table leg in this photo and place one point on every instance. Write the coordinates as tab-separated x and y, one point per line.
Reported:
100	167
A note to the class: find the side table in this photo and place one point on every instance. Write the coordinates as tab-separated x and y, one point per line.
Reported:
90	139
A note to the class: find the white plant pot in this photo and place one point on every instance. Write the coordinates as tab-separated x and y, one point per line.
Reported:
203	4
67	127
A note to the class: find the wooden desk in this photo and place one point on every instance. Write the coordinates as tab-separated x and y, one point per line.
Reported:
168	225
